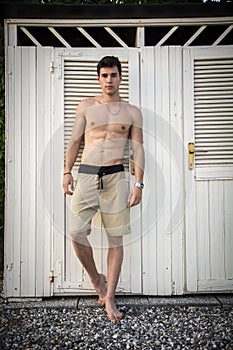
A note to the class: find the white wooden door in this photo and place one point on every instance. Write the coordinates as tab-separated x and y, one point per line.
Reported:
28	202
75	79
208	127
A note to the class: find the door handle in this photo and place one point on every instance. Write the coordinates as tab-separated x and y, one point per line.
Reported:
191	151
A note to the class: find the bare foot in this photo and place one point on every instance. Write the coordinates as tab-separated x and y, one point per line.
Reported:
100	288
113	313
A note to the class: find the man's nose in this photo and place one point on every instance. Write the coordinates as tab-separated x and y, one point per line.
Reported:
109	79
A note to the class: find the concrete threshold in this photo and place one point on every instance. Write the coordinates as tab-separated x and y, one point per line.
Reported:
78	302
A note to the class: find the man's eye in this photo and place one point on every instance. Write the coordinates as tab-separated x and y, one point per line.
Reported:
104	75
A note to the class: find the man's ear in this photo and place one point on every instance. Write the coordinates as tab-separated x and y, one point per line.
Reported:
98	78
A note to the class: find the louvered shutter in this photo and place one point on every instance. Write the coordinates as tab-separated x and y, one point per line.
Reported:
80	82
213	114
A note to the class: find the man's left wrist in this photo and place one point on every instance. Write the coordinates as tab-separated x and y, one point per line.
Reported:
139	185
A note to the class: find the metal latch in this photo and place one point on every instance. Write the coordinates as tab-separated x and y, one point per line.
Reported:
191	151
51	277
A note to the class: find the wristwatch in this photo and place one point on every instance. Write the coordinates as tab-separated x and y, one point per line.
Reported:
139	184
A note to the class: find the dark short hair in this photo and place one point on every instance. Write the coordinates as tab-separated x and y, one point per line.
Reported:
109	61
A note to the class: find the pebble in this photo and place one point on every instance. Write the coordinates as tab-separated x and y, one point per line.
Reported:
143	328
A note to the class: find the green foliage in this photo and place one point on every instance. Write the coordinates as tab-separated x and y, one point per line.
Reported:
2	144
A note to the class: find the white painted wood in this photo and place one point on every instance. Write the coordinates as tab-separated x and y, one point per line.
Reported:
140	37
29	162
30	36
45	175
149	241
36	242
171	31
228	221
10	34
216	173
213	116
162	215
177	169
73	278
190	197
59	37
17	206
133	243
203	230
28	134
11	243
215	285
88	36
122	22
163	182
222	36
208	228
216	227
195	35
59	204
116	37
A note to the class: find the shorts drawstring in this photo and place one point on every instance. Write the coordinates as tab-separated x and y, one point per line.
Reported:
100	184
100	171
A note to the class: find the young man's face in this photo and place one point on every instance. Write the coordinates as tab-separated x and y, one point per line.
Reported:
109	80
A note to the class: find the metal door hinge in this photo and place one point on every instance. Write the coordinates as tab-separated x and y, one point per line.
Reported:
52	67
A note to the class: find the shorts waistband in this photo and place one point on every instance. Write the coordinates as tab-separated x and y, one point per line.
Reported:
101	170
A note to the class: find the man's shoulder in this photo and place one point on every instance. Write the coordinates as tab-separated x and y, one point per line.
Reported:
88	102
133	110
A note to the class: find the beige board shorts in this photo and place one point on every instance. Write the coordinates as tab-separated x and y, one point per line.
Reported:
105	189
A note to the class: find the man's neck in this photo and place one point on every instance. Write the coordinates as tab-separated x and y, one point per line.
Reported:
110	98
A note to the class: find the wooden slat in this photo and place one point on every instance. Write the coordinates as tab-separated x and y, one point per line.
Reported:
203	230
177	168
80	82
149	238
214	117
163	182
46	160
12	238
17	206
228	230
216	226
29	179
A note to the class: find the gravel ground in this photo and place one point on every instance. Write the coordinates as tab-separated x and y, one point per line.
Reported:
143	327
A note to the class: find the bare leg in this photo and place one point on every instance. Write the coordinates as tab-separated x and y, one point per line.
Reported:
115	258
84	253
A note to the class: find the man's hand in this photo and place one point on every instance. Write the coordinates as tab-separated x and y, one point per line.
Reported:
68	184
135	196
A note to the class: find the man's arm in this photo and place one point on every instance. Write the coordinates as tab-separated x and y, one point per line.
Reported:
138	157
73	148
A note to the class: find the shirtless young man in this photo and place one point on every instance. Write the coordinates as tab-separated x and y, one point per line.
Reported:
106	122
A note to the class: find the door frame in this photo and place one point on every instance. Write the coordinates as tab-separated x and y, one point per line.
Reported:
191	254
132	54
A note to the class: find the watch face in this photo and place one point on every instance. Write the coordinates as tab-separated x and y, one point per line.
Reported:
140	185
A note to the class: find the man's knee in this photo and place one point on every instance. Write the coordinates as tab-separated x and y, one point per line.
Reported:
79	237
115	241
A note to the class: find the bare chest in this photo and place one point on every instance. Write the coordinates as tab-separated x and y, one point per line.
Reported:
108	118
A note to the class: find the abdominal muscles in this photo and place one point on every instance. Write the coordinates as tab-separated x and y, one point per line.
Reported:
105	148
